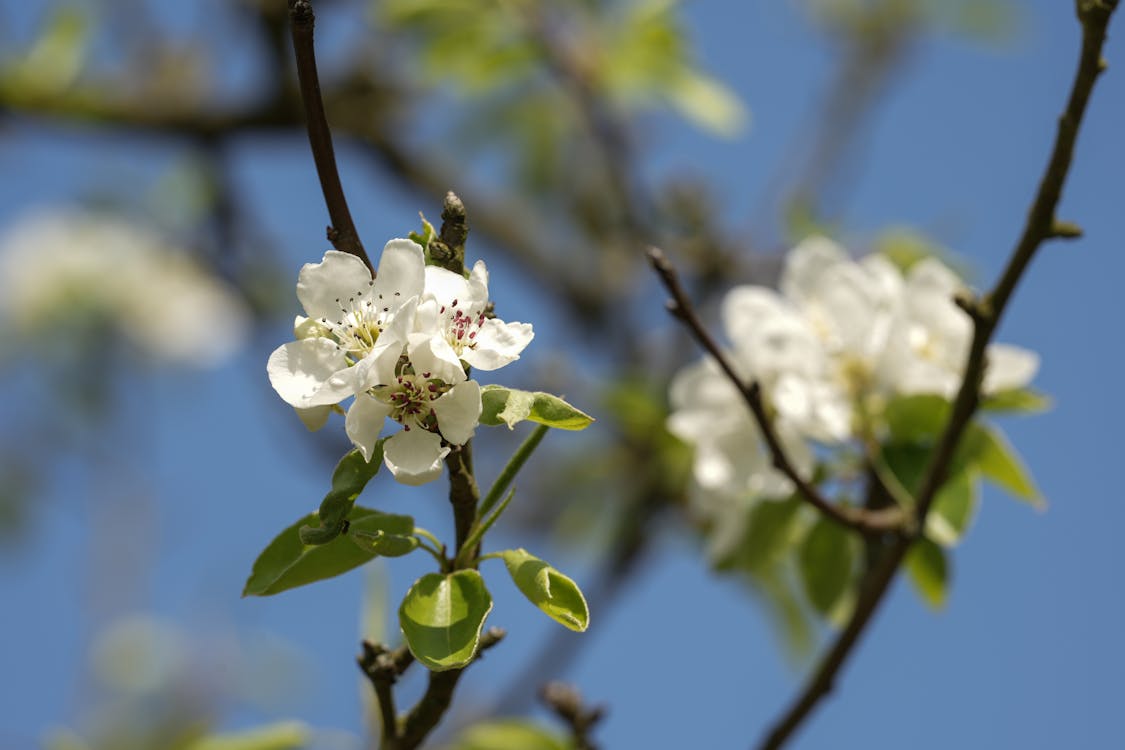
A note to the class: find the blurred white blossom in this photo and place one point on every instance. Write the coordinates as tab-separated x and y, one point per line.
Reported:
841	338
63	268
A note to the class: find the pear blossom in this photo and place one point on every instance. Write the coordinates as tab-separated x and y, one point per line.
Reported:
62	267
399	345
929	339
840	333
454	311
356	327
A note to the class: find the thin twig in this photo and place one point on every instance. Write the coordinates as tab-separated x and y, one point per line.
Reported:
860	519
342	233
379	665
1040	226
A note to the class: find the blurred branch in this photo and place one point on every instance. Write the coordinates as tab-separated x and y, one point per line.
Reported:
342	234
566	702
986	312
860	519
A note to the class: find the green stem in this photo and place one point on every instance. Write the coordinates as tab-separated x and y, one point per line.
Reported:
515	463
466	554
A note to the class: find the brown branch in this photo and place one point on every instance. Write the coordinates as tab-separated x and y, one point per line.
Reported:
860	519
1040	226
382	667
566	703
342	233
464	495
422	719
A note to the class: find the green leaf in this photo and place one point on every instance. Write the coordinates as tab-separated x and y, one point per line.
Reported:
383	544
917	418
707	103
558	596
770	529
349	478
285	735
442	617
987	449
287	562
509	734
825	560
954	509
1018	401
423	238
929	572
510	406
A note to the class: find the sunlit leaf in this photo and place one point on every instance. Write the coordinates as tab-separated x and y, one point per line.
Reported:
509	734
287	562
510	406
1017	400
557	595
988	450
286	735
442	617
928	569
954	509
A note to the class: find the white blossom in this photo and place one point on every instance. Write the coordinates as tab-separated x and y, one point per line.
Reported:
840	334
454	310
399	345
59	267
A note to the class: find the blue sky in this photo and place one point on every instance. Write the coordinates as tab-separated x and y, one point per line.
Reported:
1027	652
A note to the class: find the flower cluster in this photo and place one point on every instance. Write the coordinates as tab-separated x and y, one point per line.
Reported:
67	270
830	349
400	345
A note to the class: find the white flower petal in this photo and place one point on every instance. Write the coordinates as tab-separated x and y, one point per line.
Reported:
307	328
805	264
478	282
401	273
458	412
447	287
364	422
414	456
310	372
434	355
321	286
1009	367
497	344
314	418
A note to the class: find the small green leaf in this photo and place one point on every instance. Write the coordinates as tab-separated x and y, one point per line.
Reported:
510	406
442	617
423	238
285	735
1018	401
929	572
558	596
917	418
954	509
987	449
287	562
349	478
825	559
509	734
707	103
382	544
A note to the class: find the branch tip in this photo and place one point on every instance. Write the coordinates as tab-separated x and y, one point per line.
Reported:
1066	230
